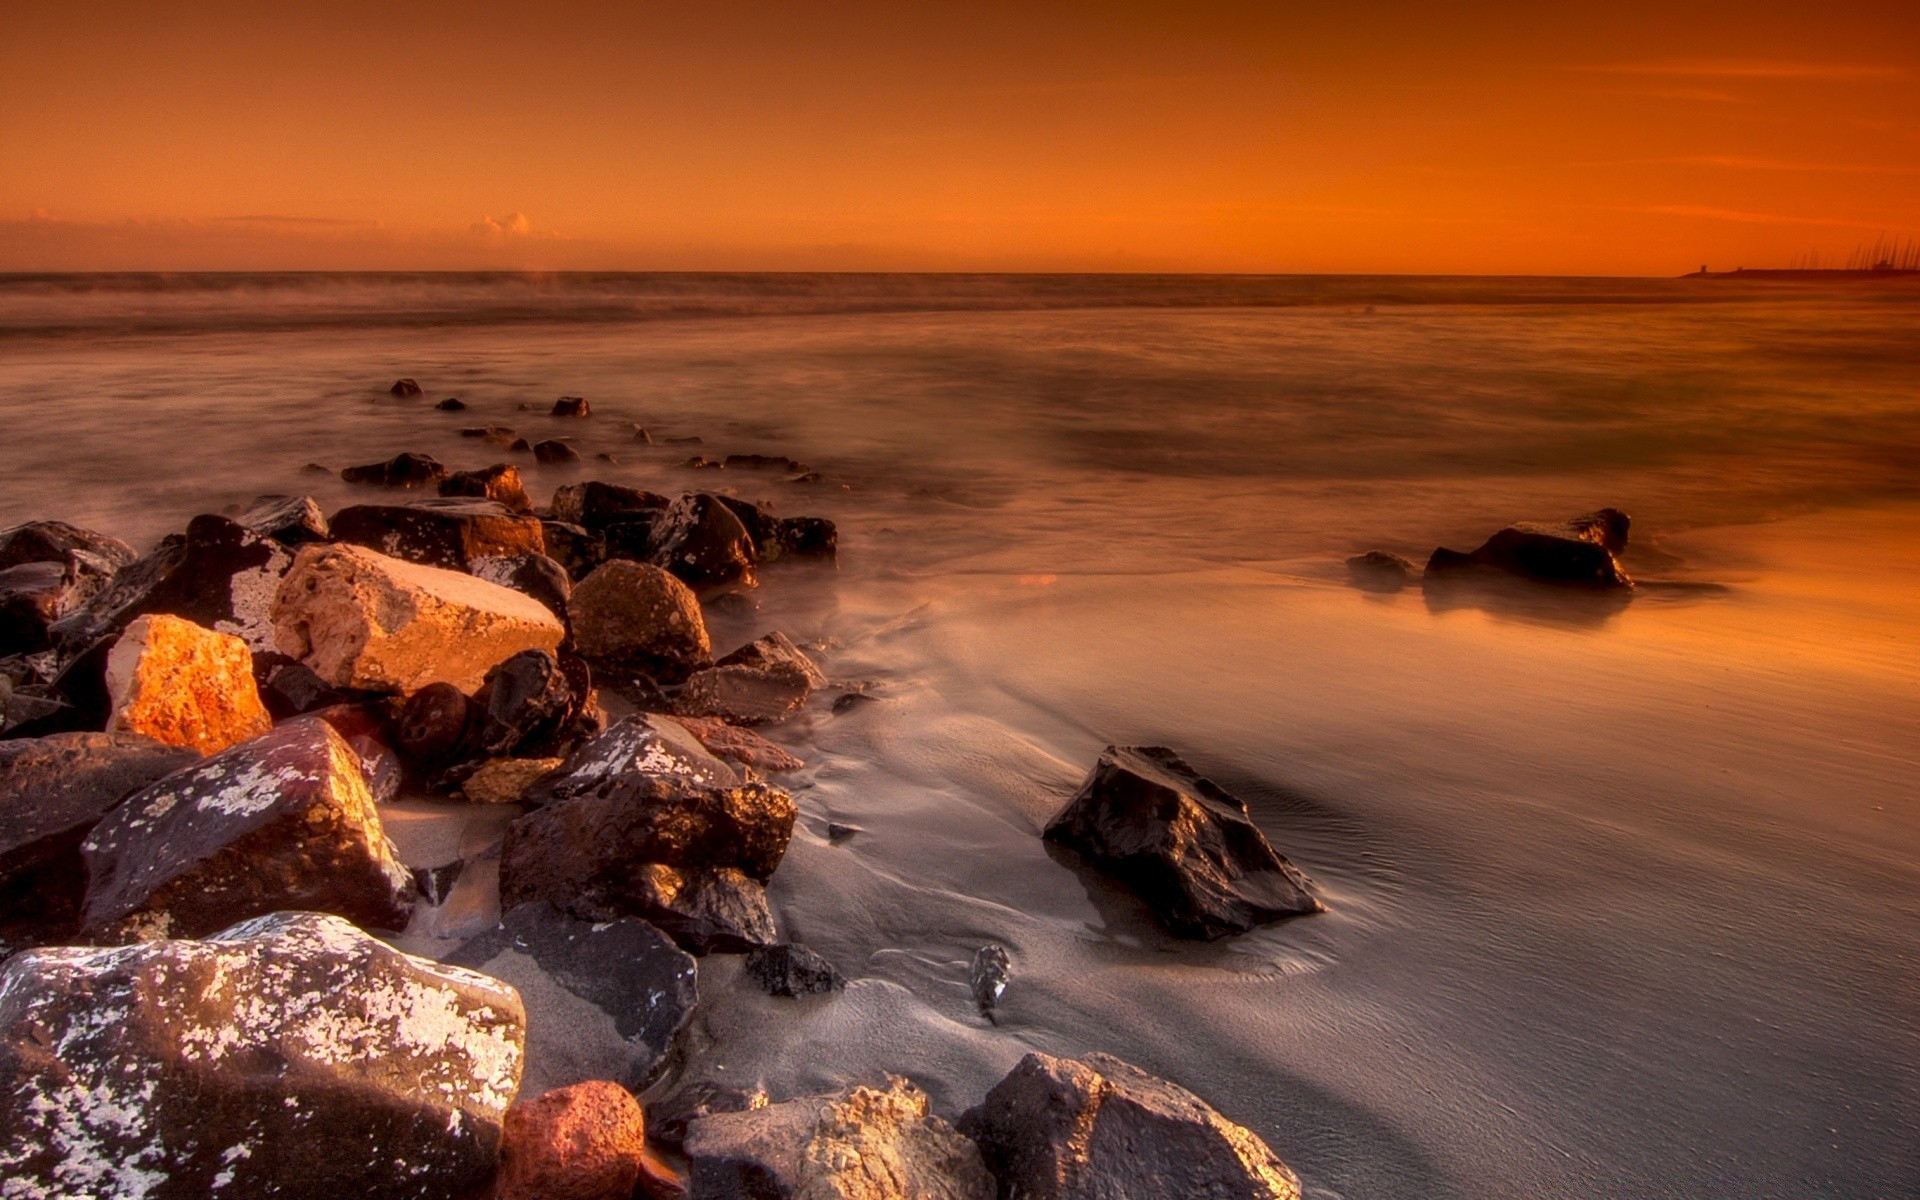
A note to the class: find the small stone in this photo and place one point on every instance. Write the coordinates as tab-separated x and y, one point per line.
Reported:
183	685
764	462
403	470
499	483
1379	571
506	780
667	1119
438	727
404	388
638	615
452	404
846	702
793	970
364	620
572	406
987	976
552	451
641	435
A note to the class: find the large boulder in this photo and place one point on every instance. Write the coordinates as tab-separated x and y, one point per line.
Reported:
595	505
366	620
584	1142
291	520
289	1056
764	680
183	685
499	482
1182	843
866	1143
448	532
704	543
605	999
1102	1129
776	537
637	616
53	790
284	821
55	541
1579	552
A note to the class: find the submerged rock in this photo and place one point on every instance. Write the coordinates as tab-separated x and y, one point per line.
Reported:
365	620
584	1142
447	532
405	470
605	999
1379	571
284	821
289	1056
499	483
701	541
1061	1129
862	1144
764	462
404	387
289	520
452	404
1578	552
1181	843
553	451
764	680
788	969
183	685
53	790
572	406
638	616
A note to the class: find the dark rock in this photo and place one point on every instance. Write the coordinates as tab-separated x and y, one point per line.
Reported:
287	1056
668	1118
498	435
574	547
754	1153
448	533
684	441
572	406
632	537
641	435
764	462
404	387
521	445
1579	552
761	524
1182	843
32	597
402	470
701	462
701	541
838	833
282	822
54	541
452	404
808	537
53	790
604	457
289	520
499	482
636	746
314	468
528	706
1379	571
594	504
551	451
435	884
705	910
764	680
792	970
533	575
371	729
295	689
988	976
627	969
439	726
637	616
220	575
1061	1129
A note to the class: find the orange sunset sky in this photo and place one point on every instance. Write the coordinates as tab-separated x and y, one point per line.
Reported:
1602	138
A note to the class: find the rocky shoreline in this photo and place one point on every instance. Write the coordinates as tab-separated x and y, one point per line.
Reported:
206	746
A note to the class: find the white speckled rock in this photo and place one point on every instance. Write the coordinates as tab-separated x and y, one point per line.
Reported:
284	821
361	619
289	1056
183	685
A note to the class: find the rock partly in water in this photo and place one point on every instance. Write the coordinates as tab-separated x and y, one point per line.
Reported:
365	620
594	504
33	596
452	404
57	541
764	680
737	745
1181	843
701	541
1379	571
1065	1129
183	685
406	388
637	616
499	483
282	822
448	532
572	406
287	1056
583	1142
534	575
644	745
53	790
1579	552
554	451
289	520
605	999
788	969
403	470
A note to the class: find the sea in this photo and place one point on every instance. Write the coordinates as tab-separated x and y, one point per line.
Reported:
1623	892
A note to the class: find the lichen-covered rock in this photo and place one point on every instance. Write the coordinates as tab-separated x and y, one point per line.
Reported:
743	746
793	970
506	780
636	615
290	520
534	575
583	1142
764	680
1098	1128
605	999
448	532
290	1056
636	746
284	821
701	541
55	541
862	1144
183	685
1182	843
366	620
499	482
1578	552
594	504
405	469
53	790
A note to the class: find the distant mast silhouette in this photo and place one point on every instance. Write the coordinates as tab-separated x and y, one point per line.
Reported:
1887	257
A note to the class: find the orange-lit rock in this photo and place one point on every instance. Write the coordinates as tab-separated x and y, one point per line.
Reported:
585	1142
183	685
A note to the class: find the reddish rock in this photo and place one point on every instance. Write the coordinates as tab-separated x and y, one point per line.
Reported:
405	469
448	532
183	685
764	680
742	746
638	615
499	482
584	1142
572	406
